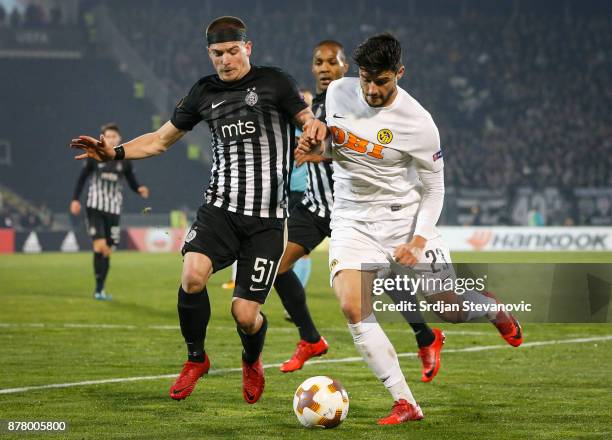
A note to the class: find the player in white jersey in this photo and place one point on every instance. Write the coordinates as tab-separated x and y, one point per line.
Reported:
389	191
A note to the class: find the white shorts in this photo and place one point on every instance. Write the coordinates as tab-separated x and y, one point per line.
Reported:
360	245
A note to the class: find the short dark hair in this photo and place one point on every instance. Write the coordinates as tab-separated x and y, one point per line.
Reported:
379	53
226	22
110	126
332	43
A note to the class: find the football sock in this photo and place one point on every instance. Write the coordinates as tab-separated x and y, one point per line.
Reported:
293	297
101	266
423	334
105	268
194	314
477	298
253	344
378	352
302	269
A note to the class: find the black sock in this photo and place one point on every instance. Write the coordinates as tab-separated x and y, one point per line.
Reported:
293	297
253	344
105	268
101	265
194	314
423	334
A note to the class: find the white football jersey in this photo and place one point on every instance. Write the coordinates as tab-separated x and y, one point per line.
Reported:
377	151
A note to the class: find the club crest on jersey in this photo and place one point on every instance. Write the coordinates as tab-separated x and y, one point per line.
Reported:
251	97
384	136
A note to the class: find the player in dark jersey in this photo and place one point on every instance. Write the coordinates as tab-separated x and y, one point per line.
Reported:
309	224
250	111
104	199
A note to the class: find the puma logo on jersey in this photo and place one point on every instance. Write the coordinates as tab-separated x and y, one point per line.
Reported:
344	138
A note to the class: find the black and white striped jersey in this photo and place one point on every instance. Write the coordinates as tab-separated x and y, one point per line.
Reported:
319	195
105	187
252	138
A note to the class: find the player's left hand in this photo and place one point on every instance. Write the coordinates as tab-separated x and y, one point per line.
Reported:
96	149
410	253
143	191
305	145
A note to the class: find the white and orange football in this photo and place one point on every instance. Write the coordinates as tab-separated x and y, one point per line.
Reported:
321	402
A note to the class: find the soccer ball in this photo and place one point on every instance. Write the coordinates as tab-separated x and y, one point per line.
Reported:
321	401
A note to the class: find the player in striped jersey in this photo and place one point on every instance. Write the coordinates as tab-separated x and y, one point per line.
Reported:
251	112
297	187
104	199
309	224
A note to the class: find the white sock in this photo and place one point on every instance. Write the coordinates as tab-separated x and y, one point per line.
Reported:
378	352
478	298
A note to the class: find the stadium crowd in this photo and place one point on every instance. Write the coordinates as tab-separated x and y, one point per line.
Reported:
32	15
520	99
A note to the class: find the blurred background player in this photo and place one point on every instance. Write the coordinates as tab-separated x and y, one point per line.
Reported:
309	224
104	199
244	214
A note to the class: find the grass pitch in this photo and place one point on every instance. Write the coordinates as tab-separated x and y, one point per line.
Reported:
52	332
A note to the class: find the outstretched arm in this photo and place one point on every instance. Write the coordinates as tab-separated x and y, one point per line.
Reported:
147	145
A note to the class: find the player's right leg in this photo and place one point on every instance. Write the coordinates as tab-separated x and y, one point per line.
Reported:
101	264
99	233
194	313
210	245
352	287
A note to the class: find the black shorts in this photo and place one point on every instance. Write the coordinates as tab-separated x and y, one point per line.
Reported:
306	228
102	224
256	243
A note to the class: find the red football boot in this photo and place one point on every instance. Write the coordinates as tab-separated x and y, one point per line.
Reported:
430	356
508	326
253	380
402	412
303	352
186	382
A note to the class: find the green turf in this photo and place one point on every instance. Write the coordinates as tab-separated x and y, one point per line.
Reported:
544	392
